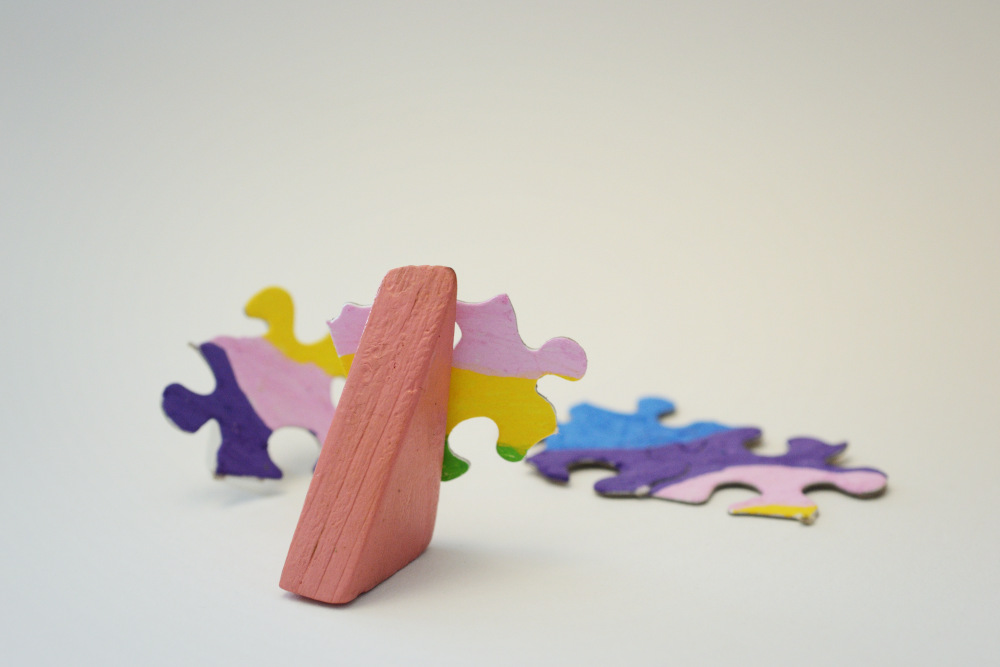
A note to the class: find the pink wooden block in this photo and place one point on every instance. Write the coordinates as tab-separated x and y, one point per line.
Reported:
371	507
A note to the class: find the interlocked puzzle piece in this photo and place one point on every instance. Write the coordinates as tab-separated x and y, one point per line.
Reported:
494	374
691	471
592	427
262	384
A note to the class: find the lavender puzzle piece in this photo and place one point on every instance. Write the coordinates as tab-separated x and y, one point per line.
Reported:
592	427
690	472
244	435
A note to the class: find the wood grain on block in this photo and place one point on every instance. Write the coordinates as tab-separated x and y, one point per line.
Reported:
372	503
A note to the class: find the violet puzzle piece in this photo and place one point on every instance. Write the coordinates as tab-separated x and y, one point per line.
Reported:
592	427
691	472
494	374
263	383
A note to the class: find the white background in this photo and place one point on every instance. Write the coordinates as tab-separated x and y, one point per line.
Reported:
776	214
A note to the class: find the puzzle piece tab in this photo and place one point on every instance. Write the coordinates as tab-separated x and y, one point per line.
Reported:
494	374
262	384
691	471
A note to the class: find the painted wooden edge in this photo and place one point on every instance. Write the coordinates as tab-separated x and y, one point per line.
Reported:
372	503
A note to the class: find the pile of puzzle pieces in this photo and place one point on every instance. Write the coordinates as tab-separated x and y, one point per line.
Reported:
271	381
687	464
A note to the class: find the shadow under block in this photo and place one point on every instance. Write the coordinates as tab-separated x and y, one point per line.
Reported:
371	507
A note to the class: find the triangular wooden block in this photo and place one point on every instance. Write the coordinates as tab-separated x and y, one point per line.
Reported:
372	503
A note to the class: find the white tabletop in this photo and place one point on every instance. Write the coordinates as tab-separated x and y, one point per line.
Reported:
775	214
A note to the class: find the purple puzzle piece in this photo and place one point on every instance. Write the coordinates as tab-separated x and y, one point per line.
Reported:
690	472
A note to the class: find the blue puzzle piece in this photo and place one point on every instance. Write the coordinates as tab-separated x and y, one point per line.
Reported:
244	435
591	427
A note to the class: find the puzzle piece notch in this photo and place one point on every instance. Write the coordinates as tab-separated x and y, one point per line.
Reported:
593	427
692	471
494	374
275	307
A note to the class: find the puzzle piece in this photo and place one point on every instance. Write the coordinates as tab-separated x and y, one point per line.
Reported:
691	471
262	384
592	427
494	374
